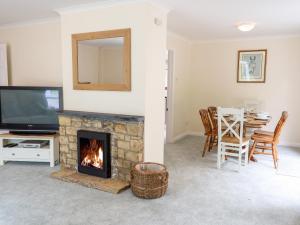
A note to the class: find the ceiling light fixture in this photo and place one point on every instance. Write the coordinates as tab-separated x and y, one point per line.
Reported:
246	26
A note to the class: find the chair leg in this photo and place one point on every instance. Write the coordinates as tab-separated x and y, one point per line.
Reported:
211	144
219	156
252	150
246	155
275	146
274	156
206	146
263	151
240	158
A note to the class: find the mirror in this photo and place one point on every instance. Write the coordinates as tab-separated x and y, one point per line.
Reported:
101	60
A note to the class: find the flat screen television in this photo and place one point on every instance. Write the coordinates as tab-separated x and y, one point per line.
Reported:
30	109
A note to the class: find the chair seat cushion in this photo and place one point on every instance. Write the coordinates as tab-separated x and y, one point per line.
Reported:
234	140
262	138
263	132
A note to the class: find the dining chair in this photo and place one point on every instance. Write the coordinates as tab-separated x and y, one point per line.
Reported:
234	144
212	110
266	140
210	133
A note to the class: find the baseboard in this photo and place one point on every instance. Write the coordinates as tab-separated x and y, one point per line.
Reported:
184	134
289	144
179	137
194	133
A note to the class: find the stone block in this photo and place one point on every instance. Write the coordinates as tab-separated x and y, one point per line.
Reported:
99	124
141	157
76	124
71	162
114	152
71	131
63	140
120	128
132	156
127	164
63	158
72	139
121	153
73	146
136	145
96	124
62	130
87	125
123	144
127	138
108	126
63	148
119	136
64	121
133	129
74	155
119	163
76	119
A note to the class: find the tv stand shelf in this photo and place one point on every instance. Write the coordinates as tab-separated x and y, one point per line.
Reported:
10	151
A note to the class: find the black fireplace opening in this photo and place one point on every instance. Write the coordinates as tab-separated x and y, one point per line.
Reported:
94	153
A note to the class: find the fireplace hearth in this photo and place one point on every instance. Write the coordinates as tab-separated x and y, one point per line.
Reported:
94	153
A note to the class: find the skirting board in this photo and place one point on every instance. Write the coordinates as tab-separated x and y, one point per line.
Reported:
193	133
184	134
179	137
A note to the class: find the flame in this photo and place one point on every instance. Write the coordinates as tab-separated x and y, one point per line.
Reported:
93	158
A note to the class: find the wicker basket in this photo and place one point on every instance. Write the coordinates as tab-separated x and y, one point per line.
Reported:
149	180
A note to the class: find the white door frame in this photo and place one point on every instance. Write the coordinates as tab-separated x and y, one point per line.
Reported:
169	117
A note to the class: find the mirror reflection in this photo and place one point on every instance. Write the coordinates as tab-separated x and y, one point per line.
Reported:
101	61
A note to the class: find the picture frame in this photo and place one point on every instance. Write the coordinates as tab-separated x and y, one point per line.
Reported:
252	66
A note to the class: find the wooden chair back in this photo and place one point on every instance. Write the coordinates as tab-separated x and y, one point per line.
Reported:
279	126
205	120
237	118
212	110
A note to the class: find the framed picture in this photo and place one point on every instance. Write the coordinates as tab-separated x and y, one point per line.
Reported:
252	66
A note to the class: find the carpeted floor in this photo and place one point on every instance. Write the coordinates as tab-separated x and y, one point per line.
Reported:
198	194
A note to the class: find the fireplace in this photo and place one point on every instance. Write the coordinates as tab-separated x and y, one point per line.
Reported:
94	153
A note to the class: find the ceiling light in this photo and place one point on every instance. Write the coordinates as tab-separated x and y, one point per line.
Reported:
246	26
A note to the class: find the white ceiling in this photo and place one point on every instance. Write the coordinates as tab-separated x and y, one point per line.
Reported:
216	19
14	11
195	19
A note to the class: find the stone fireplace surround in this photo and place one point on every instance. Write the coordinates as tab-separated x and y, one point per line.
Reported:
127	138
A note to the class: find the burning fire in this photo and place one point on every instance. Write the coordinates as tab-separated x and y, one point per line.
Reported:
93	155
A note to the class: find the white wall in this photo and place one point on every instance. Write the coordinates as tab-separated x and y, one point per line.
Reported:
213	81
181	48
156	45
3	65
148	47
34	54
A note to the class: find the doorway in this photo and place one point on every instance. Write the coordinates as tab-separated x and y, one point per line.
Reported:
168	96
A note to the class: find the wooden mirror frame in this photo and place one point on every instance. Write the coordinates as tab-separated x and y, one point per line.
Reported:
126	34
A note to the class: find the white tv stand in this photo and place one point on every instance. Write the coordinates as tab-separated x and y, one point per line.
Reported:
48	153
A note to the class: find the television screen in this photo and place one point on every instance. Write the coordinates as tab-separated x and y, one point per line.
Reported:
33	107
